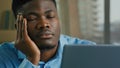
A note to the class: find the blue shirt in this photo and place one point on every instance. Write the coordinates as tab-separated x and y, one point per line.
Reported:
10	57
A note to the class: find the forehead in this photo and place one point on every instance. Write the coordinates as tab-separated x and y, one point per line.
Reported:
39	5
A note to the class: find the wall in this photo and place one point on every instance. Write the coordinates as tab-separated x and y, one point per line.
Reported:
4	5
69	17
6	35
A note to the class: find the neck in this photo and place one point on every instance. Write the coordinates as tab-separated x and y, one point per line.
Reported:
48	54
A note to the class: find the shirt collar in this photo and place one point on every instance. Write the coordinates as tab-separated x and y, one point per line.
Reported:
58	56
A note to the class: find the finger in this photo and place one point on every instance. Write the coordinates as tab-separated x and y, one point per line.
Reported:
17	26
16	23
20	22
25	32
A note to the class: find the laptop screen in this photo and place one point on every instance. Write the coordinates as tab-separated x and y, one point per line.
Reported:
90	56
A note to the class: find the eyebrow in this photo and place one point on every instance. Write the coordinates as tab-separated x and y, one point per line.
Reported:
48	11
36	14
33	13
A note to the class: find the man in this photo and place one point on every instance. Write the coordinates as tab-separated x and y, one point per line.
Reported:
39	43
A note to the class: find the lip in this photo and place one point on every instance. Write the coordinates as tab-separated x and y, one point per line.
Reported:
45	35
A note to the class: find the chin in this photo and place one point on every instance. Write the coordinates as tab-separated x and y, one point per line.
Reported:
46	45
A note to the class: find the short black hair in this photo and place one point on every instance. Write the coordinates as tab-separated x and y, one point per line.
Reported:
16	4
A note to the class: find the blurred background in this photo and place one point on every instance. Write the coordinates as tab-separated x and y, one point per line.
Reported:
95	20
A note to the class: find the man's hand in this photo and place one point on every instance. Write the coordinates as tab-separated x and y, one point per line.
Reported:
24	43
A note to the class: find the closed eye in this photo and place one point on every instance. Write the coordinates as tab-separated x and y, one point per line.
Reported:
50	14
31	17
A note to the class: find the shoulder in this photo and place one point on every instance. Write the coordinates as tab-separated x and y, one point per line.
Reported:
7	50
7	45
75	40
8	54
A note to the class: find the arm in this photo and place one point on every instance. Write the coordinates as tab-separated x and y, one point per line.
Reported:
24	43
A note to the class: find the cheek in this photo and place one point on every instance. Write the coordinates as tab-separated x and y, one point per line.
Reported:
30	28
56	26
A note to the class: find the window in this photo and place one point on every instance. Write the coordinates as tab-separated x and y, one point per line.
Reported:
98	20
115	21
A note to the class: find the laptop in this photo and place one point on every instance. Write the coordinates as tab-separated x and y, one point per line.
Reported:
91	56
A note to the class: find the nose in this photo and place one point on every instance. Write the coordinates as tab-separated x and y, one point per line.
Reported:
43	23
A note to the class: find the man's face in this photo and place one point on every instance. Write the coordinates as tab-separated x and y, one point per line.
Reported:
42	23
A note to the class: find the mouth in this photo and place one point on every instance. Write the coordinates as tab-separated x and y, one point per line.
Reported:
45	35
